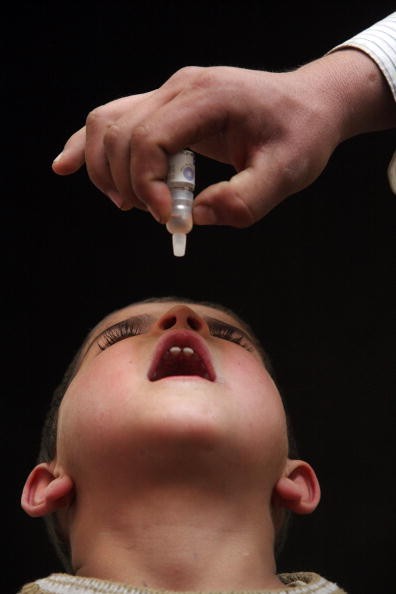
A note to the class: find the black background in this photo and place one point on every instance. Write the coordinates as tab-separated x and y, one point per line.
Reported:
316	277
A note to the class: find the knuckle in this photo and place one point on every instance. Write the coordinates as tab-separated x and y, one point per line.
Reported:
95	117
206	78
186	73
111	136
140	134
197	77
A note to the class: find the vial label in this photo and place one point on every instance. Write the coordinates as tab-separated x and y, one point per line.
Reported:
181	172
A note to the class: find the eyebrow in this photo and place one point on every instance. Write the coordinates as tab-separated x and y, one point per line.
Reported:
148	318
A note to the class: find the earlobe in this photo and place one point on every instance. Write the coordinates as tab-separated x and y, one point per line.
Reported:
298	490
44	492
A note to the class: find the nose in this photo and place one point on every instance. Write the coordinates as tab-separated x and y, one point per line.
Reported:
182	317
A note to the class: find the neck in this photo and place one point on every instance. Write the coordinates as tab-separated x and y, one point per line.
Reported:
177	537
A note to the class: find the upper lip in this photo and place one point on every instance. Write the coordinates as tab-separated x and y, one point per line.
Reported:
202	363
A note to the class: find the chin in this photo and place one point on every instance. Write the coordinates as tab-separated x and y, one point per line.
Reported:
184	426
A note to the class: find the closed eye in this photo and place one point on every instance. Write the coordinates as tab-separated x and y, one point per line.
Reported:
123	329
231	333
138	324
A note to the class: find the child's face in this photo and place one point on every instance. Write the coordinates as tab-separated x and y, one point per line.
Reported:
170	380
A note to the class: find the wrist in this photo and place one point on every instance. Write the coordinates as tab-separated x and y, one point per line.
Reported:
353	92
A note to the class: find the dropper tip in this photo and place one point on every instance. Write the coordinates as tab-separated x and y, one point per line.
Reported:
179	241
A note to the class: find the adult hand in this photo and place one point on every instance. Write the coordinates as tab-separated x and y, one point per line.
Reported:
277	130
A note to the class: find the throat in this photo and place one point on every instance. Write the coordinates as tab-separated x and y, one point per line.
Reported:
180	541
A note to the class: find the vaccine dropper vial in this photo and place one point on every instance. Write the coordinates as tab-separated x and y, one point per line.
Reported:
181	183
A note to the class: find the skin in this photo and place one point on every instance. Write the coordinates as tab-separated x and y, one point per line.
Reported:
277	130
172	483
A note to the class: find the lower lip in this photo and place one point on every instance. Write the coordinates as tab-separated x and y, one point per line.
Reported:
182	378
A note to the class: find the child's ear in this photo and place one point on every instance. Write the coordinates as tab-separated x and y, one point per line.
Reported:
298	490
44	492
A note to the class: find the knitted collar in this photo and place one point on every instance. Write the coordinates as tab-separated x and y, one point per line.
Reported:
61	583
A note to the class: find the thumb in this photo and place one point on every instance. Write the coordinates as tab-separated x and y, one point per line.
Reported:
73	155
244	199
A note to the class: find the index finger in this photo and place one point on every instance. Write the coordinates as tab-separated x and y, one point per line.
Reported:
72	156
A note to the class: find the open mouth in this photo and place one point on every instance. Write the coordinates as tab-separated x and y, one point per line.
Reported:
181	352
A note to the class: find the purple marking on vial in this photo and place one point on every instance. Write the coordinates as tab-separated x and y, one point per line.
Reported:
188	173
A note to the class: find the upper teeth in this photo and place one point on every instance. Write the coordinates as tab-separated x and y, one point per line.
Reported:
176	350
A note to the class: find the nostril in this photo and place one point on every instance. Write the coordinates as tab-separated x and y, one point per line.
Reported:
194	323
168	322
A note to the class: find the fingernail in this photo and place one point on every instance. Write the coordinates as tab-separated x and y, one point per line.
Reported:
58	158
116	198
154	214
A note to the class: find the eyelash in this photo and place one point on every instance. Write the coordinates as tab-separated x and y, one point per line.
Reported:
226	332
128	328
124	329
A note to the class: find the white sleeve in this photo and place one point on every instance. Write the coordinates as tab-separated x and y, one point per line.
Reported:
379	42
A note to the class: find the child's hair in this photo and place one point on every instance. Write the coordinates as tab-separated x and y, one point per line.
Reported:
47	451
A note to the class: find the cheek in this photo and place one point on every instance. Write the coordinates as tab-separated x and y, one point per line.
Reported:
258	403
246	375
97	408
